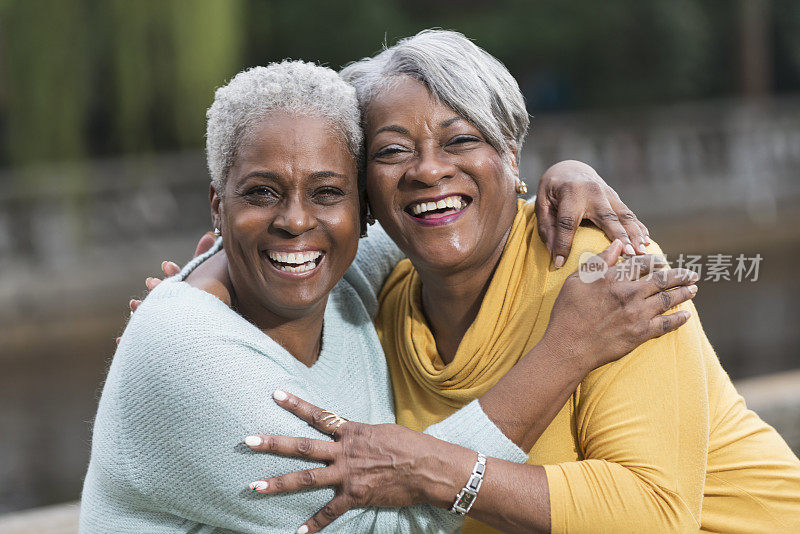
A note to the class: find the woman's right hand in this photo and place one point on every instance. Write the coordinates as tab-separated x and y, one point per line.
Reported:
170	268
605	311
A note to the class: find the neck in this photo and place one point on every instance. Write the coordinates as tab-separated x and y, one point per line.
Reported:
451	299
297	331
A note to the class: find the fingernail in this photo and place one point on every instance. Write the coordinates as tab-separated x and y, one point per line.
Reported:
647	240
259	485
130	304
686	314
694	276
302	530
693	289
559	261
629	250
252	441
279	395
642	249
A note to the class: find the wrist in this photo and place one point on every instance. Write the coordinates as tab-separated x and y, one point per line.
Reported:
572	361
444	473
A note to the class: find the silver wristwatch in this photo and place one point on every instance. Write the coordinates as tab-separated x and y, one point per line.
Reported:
466	497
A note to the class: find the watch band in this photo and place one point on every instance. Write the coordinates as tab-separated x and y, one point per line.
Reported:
466	497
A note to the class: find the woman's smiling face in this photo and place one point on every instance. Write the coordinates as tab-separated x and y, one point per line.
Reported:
443	194
289	213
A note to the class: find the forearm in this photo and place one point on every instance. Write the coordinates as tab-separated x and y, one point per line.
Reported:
512	498
526	400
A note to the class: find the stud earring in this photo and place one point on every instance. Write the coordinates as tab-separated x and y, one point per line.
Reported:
521	187
217	232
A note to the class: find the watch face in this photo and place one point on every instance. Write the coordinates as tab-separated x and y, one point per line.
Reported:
465	500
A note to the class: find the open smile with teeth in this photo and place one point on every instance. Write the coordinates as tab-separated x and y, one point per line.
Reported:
295	262
439	208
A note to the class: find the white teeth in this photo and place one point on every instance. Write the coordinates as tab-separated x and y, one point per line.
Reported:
298	269
296	258
454	201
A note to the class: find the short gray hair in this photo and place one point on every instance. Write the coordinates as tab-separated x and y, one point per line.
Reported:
460	74
295	86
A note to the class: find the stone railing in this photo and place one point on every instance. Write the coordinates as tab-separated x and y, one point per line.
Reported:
666	160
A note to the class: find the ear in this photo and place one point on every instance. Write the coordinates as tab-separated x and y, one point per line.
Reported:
216	209
511	158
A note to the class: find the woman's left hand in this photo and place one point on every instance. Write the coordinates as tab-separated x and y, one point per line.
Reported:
571	191
369	465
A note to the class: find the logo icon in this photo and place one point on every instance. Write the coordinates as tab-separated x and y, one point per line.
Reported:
591	267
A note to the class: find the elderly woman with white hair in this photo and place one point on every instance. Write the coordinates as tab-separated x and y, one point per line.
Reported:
197	362
658	441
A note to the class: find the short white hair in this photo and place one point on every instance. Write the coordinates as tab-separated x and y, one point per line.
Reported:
295	86
456	71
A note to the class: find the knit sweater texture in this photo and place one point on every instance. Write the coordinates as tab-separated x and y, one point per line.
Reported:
191	378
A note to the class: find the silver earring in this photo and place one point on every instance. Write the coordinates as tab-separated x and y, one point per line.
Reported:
217	232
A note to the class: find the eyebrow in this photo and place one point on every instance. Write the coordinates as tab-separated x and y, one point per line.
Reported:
392	128
276	176
263	174
450	121
327	174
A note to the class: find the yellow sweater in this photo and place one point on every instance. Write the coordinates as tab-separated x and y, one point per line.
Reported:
658	441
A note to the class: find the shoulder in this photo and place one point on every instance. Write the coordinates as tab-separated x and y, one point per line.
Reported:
376	258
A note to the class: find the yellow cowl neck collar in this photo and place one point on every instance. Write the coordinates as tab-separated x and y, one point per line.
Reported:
425	389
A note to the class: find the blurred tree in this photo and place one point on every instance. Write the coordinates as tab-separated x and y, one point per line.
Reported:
48	61
90	77
207	41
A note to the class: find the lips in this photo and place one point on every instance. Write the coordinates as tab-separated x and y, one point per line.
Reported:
438	208
295	262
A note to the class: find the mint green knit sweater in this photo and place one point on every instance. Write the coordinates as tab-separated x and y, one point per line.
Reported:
191	378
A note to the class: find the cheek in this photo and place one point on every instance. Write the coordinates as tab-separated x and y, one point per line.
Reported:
245	220
345	230
381	188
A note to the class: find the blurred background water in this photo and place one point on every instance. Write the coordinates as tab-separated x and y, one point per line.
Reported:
689	108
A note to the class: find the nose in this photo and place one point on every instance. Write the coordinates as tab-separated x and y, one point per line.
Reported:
431	168
294	217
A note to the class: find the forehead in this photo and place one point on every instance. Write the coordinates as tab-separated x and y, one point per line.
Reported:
405	101
294	142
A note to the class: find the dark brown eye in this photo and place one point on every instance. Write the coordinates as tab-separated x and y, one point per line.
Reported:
389	151
462	139
261	194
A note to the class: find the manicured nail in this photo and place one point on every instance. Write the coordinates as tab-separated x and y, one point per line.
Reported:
629	250
259	485
279	395
559	261
302	530
252	441
693	290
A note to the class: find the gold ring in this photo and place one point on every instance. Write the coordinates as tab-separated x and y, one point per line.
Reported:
333	421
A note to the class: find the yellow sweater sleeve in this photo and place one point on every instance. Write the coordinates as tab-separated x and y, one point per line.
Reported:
642	426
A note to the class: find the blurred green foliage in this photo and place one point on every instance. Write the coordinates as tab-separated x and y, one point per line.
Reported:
86	78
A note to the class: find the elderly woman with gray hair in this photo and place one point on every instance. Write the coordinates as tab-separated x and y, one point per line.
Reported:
658	441
193	372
